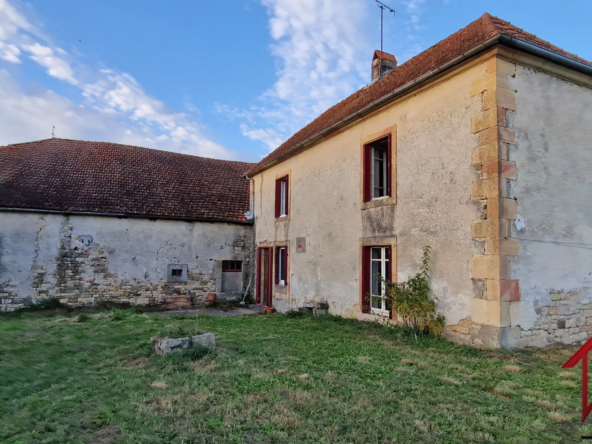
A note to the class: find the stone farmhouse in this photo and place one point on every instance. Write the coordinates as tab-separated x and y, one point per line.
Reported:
89	222
478	147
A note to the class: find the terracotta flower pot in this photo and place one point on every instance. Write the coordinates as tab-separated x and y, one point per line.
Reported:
211	297
269	310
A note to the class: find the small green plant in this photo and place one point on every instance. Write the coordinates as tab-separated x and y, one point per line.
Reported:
298	314
410	300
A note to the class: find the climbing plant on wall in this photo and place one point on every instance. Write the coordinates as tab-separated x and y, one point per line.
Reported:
411	300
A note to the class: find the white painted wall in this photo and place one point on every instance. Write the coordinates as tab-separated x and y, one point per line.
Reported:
554	192
434	176
137	251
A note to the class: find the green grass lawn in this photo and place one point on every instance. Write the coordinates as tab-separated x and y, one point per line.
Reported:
273	379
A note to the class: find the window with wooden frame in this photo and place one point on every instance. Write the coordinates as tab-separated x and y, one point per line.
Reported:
281	196
281	265
377	264
377	169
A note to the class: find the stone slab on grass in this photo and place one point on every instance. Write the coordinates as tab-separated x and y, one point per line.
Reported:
163	346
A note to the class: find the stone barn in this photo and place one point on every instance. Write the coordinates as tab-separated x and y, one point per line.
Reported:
89	221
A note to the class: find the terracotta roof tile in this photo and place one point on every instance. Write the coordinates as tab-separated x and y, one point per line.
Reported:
476	33
97	177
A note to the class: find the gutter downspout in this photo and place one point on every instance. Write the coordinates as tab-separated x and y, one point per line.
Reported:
253	272
252	196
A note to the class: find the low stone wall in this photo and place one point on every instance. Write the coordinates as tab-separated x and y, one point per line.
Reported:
567	320
64	264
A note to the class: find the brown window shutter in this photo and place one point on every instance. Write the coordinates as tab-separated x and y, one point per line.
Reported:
365	279
278	190
367	173
389	269
287	203
286	261
276	266
390	168
258	295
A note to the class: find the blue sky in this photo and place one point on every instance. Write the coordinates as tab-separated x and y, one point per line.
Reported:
219	79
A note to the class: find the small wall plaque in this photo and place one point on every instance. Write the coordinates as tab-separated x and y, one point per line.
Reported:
300	245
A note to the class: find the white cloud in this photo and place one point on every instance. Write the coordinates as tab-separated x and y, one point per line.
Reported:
27	115
415	9
11	21
56	67
322	56
9	52
268	136
113	106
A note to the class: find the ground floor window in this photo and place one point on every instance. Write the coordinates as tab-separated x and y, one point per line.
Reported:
281	270
379	268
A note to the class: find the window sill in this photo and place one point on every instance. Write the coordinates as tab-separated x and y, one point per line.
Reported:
379	312
282	218
379	202
280	289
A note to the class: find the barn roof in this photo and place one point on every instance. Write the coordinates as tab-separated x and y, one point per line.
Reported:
73	176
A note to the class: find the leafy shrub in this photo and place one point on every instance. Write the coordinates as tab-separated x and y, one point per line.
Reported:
410	300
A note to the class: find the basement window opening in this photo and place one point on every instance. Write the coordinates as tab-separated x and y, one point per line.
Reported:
177	273
232	266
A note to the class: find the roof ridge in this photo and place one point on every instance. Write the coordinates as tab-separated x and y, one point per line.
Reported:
123	145
488	21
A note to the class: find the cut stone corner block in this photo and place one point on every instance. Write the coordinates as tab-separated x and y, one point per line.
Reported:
163	346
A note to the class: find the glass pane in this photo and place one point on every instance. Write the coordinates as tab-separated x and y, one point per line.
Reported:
376	285
377	172
376	253
381	174
376	302
283	197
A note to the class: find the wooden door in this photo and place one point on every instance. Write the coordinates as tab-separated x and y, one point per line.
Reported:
264	277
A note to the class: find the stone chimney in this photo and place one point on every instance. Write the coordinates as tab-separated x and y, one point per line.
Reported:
382	62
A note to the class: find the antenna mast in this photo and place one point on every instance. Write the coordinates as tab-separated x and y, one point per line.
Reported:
53	132
382	7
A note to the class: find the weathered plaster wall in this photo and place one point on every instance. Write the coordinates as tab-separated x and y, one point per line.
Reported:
553	155
42	255
434	176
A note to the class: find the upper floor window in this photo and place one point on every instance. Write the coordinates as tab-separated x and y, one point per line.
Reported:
281	196
377	169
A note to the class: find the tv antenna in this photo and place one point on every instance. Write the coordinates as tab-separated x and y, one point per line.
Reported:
382	7
53	131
